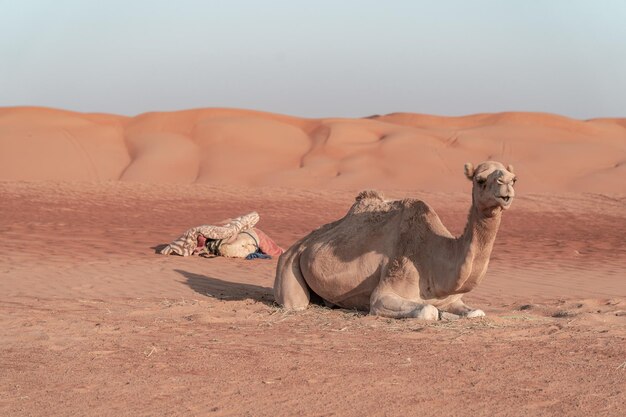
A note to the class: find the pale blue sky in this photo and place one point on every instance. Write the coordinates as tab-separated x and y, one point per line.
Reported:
316	58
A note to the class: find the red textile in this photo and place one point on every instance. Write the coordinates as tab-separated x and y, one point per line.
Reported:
267	245
200	244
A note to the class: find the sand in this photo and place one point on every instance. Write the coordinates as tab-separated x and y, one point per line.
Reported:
93	322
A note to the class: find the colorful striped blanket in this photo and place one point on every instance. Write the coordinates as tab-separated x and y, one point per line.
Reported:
186	244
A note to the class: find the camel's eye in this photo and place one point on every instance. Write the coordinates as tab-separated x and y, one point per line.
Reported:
514	180
481	181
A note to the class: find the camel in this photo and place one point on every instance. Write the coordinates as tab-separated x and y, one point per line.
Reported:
395	258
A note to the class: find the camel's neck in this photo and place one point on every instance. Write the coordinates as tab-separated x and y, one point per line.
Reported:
473	249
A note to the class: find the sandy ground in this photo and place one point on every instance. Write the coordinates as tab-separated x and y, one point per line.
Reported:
93	322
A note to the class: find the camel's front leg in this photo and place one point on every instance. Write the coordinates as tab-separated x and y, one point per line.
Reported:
458	307
400	277
392	305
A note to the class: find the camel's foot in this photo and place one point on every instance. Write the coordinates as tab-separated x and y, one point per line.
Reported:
444	315
425	312
459	308
394	306
474	313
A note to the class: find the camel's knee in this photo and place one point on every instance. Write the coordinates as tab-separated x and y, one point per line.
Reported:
291	295
290	289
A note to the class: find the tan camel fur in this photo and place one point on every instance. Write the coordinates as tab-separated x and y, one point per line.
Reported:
396	258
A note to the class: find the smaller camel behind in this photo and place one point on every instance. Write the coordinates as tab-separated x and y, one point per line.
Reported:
396	258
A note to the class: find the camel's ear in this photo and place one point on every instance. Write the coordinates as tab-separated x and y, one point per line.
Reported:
509	168
469	171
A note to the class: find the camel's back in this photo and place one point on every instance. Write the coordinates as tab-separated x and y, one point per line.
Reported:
363	224
374	223
342	261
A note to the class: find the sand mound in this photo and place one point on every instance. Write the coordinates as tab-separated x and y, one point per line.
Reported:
247	148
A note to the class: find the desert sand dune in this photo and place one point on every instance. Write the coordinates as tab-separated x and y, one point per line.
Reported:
248	148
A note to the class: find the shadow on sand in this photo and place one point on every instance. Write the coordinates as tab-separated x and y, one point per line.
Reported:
225	290
159	248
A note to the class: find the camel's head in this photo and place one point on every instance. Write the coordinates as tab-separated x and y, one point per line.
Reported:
492	186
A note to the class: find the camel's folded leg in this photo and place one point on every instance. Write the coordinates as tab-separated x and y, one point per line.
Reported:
290	288
460	308
392	305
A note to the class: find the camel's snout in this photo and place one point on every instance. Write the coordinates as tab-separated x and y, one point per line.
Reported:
505	197
505	191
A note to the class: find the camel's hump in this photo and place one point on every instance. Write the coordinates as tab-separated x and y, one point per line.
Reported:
373	194
369	201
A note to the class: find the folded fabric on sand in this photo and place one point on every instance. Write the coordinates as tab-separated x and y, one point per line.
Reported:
186	244
267	245
237	238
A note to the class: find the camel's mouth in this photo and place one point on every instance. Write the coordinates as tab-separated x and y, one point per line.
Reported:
506	200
